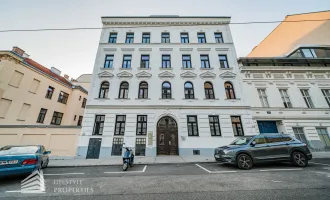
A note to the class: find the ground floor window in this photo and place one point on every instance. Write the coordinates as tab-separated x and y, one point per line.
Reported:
324	137
117	146
140	147
237	125
299	134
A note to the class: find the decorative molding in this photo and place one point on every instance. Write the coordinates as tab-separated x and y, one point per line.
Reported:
222	49
319	76
145	49
303	85
188	74
186	49
299	76
166	74
127	49
143	74
268	74
288	74
260	84
227	75
105	75
282	84
203	49
124	74
323	85
247	74
278	76
109	49
165	49
258	76
309	74
153	22
208	75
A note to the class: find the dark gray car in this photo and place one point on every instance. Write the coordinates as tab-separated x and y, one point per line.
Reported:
246	151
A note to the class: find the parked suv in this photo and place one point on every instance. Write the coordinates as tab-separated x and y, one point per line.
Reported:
246	151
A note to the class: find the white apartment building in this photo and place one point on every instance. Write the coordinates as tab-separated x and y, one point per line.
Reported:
165	85
291	94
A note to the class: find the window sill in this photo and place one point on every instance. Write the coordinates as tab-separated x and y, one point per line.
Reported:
189	99
211	99
103	68
13	86
192	68
166	99
125	68
229	68
207	68
237	99
142	99
216	135
61	103
122	99
21	120
48	98
161	68
193	135
143	68
32	92
102	98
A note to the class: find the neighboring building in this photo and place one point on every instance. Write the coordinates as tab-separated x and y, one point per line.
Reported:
83	80
38	105
290	35
290	95
166	85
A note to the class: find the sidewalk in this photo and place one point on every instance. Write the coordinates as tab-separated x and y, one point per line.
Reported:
146	160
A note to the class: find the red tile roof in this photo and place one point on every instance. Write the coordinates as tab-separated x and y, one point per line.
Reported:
46	70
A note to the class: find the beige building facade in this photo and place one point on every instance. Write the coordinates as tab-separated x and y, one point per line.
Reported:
38	105
295	32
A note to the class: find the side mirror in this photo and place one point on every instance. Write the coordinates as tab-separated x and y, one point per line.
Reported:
47	152
253	143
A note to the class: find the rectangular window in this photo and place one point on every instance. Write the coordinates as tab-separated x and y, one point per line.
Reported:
299	134
98	124
201	37
57	118
223	61
129	38
307	98
326	93
214	125
16	79
74	118
263	97
285	98
4	106
145	37
144	61
50	92
237	125
113	38
205	63
140	147
186	61
108	63
218	37
42	115
34	86
166	61
165	37
120	125
141	126
324	137
184	38
117	146
83	105
192	125
63	97
24	111
127	59
80	120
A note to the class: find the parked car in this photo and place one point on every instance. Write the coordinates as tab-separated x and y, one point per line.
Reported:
22	159
246	151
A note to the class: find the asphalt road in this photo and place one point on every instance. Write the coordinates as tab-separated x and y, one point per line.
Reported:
180	181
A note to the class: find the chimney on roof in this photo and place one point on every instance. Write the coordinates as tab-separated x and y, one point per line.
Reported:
66	76
20	52
55	71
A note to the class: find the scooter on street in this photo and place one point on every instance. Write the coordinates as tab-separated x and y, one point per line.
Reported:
128	158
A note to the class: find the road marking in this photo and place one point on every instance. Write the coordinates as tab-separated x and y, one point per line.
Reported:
203	168
277	181
13	191
268	170
144	169
64	174
319	163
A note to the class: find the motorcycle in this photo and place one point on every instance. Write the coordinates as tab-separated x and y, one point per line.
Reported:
128	158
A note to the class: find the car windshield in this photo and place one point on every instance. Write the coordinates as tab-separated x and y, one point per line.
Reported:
241	141
18	150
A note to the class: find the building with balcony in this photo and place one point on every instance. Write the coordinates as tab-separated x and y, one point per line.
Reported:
38	105
290	95
165	85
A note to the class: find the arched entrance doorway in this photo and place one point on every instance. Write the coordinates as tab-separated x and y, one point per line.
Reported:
167	136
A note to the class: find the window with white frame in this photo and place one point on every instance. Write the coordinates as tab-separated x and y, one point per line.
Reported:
307	98
326	93
285	98
263	97
299	134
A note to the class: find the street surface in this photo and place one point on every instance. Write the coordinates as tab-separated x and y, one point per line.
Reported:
180	181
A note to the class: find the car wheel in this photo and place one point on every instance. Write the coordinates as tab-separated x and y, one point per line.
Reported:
299	159
244	161
45	165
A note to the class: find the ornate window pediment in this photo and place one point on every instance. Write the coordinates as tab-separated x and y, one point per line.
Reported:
105	75
166	75
207	75
143	75
228	75
124	75
188	75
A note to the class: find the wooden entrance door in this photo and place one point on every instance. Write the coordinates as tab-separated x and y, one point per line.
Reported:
167	136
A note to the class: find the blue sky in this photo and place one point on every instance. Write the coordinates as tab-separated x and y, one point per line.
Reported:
73	52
